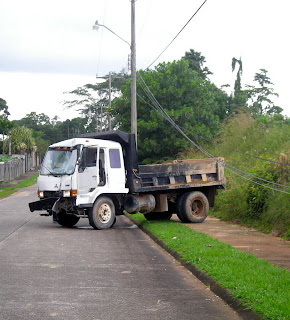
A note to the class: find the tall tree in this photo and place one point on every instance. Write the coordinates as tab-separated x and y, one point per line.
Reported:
261	96
239	99
186	97
21	140
92	100
196	62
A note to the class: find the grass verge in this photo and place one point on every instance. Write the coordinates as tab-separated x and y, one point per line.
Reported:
261	286
6	191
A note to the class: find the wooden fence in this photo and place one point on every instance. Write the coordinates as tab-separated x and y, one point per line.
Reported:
20	164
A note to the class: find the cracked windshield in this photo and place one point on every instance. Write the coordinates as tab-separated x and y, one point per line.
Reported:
59	162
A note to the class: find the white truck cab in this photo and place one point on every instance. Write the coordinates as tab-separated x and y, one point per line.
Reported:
78	171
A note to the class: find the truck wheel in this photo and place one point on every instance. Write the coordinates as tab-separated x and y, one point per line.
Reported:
102	215
66	220
179	209
194	206
158	215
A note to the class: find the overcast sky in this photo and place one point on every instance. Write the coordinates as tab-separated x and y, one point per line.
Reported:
49	47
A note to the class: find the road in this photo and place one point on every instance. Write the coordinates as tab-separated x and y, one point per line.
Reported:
51	272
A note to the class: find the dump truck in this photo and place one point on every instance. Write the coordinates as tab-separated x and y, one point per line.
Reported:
97	176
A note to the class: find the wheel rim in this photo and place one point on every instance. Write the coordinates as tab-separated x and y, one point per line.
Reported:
197	208
104	213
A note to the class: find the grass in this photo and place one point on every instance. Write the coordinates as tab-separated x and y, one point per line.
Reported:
6	191
260	285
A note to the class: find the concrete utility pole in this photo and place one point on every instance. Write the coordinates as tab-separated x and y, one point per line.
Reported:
133	73
110	99
133	66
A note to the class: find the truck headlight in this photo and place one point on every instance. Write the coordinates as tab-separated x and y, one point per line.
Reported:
40	194
66	193
69	193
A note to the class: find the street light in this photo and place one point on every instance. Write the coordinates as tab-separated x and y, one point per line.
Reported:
133	66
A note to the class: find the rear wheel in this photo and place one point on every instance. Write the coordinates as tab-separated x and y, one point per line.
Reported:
102	215
193	207
158	215
179	209
66	220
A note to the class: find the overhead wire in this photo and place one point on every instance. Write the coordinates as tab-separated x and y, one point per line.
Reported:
177	34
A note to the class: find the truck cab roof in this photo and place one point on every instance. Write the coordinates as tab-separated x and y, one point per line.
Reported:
86	142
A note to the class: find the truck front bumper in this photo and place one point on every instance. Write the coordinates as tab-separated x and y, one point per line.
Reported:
43	204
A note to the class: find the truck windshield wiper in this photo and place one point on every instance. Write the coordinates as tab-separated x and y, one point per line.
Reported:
54	174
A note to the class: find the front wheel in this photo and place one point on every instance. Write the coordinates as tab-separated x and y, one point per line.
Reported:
193	207
102	215
66	220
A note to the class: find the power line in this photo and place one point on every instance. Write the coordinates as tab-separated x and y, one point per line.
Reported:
177	34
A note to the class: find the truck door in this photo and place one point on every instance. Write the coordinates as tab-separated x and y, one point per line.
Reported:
88	175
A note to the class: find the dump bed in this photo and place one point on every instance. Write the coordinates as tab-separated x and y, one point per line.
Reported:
182	174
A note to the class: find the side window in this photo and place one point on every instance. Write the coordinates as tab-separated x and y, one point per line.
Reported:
102	172
89	157
115	161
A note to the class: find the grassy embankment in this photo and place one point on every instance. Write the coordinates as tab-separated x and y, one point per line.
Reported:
258	284
245	202
6	191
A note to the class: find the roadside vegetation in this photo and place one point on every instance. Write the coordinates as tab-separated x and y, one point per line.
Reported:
6	191
246	202
259	285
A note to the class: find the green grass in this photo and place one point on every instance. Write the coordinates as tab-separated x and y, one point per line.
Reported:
262	286
6	191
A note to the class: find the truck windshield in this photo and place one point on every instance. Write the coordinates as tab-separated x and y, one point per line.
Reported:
59	161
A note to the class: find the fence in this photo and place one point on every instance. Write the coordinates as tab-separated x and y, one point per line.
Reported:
12	169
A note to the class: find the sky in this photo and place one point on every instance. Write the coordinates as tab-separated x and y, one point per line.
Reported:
48	48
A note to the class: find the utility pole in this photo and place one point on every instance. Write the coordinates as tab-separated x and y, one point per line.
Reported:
110	86
133	73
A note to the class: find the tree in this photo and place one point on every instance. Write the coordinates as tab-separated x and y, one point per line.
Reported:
5	124
21	140
239	99
185	96
4	109
261	96
92	100
195	62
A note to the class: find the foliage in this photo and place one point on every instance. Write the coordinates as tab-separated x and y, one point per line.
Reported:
4	109
21	140
258	195
258	284
239	98
261	95
196	62
257	206
92	100
192	102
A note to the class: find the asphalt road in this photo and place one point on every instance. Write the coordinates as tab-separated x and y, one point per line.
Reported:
51	272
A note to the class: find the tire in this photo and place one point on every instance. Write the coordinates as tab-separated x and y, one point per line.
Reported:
194	207
158	215
102	215
179	210
66	220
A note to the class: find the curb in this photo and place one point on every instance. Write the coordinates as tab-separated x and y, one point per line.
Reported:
243	310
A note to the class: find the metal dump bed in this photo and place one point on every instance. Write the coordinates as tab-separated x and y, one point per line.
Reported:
182	174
